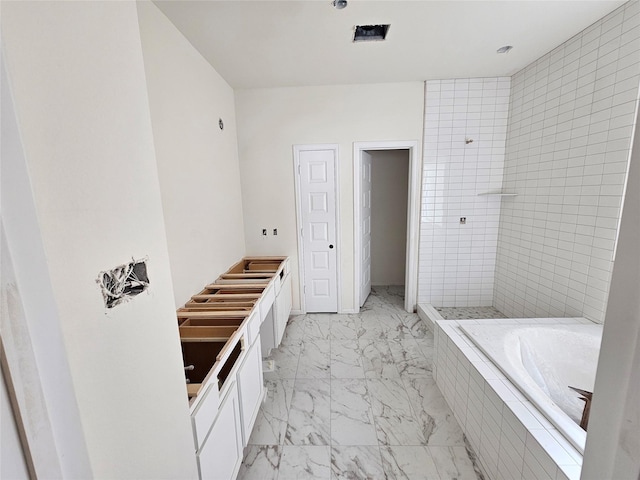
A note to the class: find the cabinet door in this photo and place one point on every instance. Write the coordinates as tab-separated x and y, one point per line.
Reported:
221	455
205	413
250	389
267	332
283	308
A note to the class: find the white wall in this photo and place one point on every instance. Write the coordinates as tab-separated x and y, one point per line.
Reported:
613	441
389	195
81	99
197	162
271	121
457	262
571	118
29	320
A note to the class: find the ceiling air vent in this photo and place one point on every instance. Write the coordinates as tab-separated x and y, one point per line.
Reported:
367	33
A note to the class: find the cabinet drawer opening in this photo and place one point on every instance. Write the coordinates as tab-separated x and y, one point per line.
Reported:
254	265
223	375
201	356
206	333
244	278
225	289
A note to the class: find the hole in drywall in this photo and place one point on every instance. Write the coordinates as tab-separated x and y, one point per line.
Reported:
367	33
122	283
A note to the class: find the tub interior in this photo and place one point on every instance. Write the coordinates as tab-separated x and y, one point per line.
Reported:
559	361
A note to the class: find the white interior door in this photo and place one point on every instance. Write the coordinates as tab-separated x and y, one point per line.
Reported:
317	203
365	228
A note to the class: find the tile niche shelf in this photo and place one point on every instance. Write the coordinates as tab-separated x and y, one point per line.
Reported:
497	194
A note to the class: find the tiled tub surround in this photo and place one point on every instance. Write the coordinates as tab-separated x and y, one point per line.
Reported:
510	436
571	120
464	144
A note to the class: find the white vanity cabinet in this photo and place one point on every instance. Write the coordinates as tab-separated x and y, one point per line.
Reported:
224	331
221	454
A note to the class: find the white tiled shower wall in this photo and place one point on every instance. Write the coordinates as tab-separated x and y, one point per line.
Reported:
457	262
570	128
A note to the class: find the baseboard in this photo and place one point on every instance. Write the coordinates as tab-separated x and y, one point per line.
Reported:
297	312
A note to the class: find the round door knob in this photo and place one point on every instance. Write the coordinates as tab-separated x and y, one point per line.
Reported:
330	246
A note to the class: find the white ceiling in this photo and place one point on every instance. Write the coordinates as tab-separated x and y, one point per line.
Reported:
266	43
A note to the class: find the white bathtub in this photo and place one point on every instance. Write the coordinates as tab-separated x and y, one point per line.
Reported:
542	361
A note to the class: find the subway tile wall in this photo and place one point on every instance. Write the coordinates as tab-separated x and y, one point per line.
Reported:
457	262
572	116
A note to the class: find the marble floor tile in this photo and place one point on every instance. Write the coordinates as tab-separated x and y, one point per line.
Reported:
346	359
285	359
271	422
391	294
426	347
315	359
416	326
353	397
344	327
318	326
395	421
379	306
438	424
408	463
260	462
351	417
370	327
305	463
294	332
393	327
310	413
356	463
453	462
377	359
409	358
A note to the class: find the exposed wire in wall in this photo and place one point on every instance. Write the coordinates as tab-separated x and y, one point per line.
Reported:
122	283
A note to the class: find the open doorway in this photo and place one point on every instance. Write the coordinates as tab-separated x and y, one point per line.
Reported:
389	194
386	209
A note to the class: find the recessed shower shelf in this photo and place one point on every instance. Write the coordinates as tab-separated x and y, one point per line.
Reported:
498	194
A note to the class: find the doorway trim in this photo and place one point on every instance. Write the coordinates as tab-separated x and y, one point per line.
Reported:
296	174
413	216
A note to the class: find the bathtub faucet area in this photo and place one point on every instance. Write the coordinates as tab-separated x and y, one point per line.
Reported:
585	396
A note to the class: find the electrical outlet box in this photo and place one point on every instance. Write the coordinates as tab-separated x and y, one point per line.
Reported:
463	220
